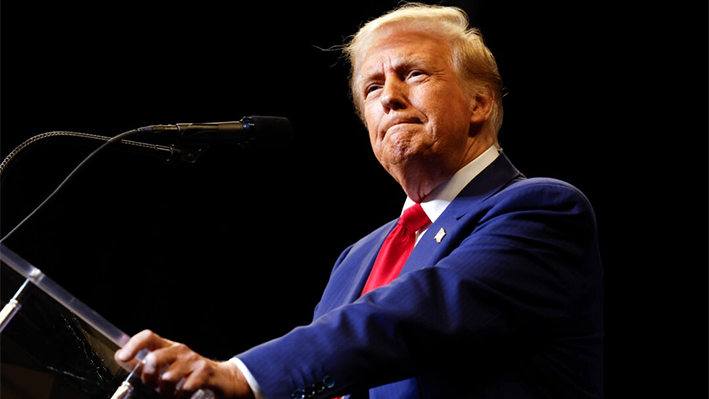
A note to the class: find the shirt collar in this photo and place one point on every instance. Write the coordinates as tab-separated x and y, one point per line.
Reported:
436	202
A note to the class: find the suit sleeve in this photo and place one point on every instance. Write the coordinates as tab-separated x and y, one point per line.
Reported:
521	268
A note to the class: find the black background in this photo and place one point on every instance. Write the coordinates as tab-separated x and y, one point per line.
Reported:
235	249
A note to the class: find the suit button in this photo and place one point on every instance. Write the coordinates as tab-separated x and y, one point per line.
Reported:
328	382
298	394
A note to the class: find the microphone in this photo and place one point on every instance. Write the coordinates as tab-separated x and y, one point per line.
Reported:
262	132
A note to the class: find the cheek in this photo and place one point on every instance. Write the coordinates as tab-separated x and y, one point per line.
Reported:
447	101
371	119
452	114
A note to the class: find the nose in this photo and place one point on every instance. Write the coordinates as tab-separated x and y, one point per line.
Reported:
394	95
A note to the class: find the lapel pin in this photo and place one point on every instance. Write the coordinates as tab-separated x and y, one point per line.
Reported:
439	236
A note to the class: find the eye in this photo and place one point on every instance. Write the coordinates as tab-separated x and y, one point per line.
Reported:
415	74
369	89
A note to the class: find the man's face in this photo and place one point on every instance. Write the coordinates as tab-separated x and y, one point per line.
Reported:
417	114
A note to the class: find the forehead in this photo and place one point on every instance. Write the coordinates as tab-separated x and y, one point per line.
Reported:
395	48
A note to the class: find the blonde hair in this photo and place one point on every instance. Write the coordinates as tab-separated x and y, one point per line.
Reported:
473	61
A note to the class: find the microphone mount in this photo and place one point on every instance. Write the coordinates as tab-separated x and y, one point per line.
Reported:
192	140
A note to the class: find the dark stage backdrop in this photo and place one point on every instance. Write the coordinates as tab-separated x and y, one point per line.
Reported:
235	249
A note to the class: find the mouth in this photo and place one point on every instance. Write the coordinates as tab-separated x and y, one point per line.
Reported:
399	124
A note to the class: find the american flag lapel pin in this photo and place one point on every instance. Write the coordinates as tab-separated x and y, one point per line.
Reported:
439	236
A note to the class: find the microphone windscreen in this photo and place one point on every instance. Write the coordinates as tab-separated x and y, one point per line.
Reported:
271	132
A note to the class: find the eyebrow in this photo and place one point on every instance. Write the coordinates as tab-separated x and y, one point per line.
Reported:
400	64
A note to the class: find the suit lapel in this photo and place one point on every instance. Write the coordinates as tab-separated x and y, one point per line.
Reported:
367	261
448	226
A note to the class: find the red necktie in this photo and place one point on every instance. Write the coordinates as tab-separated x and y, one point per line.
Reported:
397	247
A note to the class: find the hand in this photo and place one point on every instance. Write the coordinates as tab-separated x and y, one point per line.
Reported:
169	362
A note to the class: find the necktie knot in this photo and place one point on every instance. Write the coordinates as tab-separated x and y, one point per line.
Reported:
413	219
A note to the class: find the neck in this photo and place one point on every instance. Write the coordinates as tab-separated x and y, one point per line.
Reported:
421	179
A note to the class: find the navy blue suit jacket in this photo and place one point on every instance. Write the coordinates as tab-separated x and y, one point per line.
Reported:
507	305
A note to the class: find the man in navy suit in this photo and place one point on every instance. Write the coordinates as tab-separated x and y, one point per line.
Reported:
501	296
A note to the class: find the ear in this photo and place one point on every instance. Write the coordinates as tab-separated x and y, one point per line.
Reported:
482	105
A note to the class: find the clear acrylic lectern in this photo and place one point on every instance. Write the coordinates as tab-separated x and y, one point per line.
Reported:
54	346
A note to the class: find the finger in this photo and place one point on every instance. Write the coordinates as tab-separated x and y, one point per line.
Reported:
145	339
167	385
180	391
169	364
211	378
172	377
163	367
222	379
150	373
188	385
188	374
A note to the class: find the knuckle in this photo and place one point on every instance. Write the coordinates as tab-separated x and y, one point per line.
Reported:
181	348
145	333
